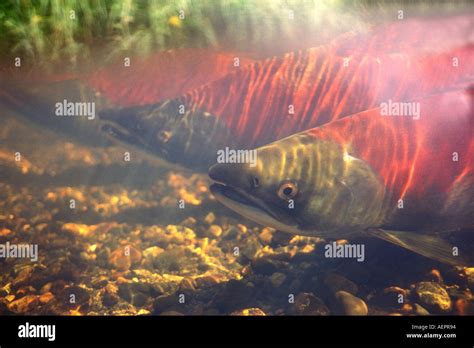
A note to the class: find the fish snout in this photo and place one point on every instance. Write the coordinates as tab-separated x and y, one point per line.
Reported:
219	172
233	174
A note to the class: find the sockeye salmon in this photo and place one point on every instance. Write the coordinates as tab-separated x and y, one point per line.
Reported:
33	94
272	99
390	175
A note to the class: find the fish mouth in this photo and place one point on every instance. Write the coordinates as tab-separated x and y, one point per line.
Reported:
252	208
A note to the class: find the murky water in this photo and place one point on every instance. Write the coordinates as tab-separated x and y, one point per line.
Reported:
105	145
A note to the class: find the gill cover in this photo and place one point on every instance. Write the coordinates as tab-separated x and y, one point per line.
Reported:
336	192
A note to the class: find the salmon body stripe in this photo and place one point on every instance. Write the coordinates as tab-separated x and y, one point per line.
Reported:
275	98
416	159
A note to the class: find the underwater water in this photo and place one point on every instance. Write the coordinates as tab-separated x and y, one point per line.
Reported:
113	112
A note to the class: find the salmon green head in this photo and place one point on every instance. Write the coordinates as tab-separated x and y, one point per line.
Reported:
302	185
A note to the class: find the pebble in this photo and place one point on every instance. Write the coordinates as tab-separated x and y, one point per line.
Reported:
251	248
350	304
46	297
249	312
392	297
308	304
469	273
102	257
77	229
231	233
24	304
110	295
124	257
5	232
189	222
215	231
464	306
206	281
242	228
4	291
10	298
23	277
133	294
434	276
74	296
266	236
267	266
235	294
210	218
277	279
99	282
152	253
143	311
165	302
434	297
419	310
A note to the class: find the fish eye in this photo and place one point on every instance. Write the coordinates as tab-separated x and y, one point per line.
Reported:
287	190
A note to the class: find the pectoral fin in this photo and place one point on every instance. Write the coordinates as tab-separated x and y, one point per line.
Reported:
429	246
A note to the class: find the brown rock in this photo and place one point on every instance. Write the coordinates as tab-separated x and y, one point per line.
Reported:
434	276
207	281
5	232
24	305
308	304
124	257
74	296
433	296
350	304
393	297
469	274
78	229
249	312
23	277
46	297
110	295
210	218
215	231
189	222
277	279
419	310
266	236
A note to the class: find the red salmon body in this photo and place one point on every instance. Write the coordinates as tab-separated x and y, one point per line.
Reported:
425	159
275	98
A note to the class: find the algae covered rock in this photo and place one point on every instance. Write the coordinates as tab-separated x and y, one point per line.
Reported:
433	297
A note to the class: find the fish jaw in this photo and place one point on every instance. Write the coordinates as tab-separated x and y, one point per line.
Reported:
250	208
335	194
